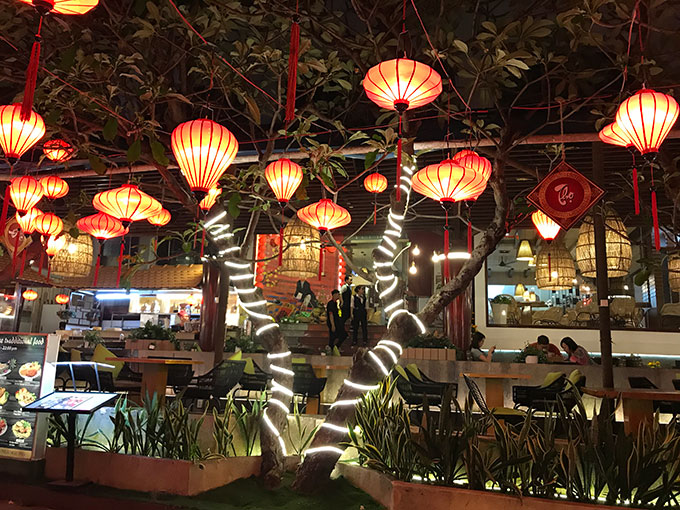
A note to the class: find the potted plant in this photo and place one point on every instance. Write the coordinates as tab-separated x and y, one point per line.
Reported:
161	338
499	308
531	356
430	346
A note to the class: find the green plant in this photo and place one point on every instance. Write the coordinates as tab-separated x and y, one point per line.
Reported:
243	343
247	420
154	332
531	351
430	341
222	432
304	432
92	337
502	299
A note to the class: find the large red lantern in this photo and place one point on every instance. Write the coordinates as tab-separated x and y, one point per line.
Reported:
203	150
127	203
324	215
647	117
284	177
27	221
209	200
63	6
375	183
29	295
546	227
54	187
58	150
160	219
101	226
61	299
402	84
25	192
17	135
48	224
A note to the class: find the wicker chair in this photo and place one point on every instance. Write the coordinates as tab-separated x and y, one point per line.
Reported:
497	412
414	390
542	397
216	384
306	384
256	382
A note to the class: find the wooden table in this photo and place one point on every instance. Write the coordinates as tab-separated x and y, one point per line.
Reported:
155	372
314	403
638	404
494	386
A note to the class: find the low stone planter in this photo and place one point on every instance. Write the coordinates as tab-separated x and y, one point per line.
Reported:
395	495
150	474
429	354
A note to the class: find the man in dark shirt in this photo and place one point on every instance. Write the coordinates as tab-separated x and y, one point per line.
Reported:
336	330
359	316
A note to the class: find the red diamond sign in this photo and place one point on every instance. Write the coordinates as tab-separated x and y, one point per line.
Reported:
565	195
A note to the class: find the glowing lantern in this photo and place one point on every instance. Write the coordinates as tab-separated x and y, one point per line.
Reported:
375	183
324	215
58	150
63	6
161	219
25	192
48	224
61	299
546	227
30	295
284	178
647	117
401	84
473	161
449	182
614	135
54	187
127	203
101	226
16	135
209	200
203	150
27	221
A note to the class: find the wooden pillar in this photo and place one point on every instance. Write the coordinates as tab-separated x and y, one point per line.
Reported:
211	280
602	278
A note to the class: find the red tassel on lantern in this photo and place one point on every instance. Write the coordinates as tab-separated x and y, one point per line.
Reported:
636	191
202	241
446	252
399	163
655	218
469	237
31	76
292	70
280	245
320	261
96	267
120	260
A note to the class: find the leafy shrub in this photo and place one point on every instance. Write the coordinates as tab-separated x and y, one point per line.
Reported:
502	299
154	332
241	342
531	351
430	341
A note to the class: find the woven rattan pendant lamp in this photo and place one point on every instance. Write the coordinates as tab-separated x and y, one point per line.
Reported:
76	258
301	259
618	246
554	267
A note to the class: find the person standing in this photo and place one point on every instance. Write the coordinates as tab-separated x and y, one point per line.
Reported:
359	315
336	331
346	302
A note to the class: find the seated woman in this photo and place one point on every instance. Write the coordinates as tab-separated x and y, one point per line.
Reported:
476	352
575	352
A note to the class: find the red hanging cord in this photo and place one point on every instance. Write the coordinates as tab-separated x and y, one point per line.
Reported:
49	268
42	255
202	241
399	162
655	214
5	202
293	57
96	267
281	238
120	260
31	76
320	260
469	236
446	247
549	267
636	191
375	208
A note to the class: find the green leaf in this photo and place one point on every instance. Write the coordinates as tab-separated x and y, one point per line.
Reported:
134	151
460	45
158	152
253	109
97	164
110	129
232	205
344	84
370	159
68	57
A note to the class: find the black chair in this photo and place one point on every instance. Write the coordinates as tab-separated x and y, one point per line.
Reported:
216	384
306	384
93	380
676	384
543	397
414	390
179	376
256	382
504	413
659	405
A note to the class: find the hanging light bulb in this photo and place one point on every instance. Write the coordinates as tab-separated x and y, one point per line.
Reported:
415	251
413	269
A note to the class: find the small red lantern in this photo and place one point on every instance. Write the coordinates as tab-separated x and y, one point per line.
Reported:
61	299
70	7
284	178
161	219
101	226
49	224
546	227
614	135
473	161
58	150
54	187
16	135
55	245
324	215
27	221
127	203
25	192
209	200
375	183
647	117
203	150
30	295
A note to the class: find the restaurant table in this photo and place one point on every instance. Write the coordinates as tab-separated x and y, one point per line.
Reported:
321	370
638	404
155	372
494	386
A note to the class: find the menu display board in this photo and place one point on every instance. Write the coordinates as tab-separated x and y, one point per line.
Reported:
71	401
26	374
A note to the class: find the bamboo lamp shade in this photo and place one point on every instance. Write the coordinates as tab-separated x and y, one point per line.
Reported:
301	259
76	258
618	246
524	252
674	272
16	135
555	268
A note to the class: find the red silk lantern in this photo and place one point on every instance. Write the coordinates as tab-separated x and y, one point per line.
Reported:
284	178
613	134
209	200
48	224
449	181
127	203
61	299
546	227
27	221
473	161
54	187
402	84
25	192
70	7
58	150
161	219
203	150
101	226
29	295
647	117
375	183
17	135
324	215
